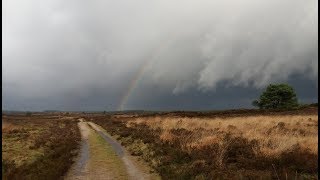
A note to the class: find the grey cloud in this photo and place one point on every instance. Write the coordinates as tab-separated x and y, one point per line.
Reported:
71	51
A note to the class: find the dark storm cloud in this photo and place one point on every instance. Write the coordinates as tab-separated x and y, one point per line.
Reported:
220	98
79	55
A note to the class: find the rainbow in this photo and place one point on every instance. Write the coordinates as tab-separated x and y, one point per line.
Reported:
136	78
132	85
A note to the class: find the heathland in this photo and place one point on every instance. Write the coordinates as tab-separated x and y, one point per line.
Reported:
38	145
236	144
232	144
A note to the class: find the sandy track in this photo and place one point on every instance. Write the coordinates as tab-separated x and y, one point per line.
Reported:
80	169
89	166
132	170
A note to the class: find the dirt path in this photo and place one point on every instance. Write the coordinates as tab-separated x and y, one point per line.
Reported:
80	169
102	157
133	171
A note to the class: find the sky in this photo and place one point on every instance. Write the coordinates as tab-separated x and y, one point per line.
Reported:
79	55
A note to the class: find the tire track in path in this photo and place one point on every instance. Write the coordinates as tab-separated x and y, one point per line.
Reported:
97	159
133	172
102	157
79	169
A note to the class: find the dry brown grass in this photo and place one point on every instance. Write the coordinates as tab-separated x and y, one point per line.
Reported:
223	146
37	146
275	134
7	127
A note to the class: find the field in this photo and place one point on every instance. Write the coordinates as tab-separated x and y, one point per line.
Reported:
233	144
227	145
38	145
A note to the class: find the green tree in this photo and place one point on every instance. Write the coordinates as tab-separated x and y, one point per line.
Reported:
277	96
